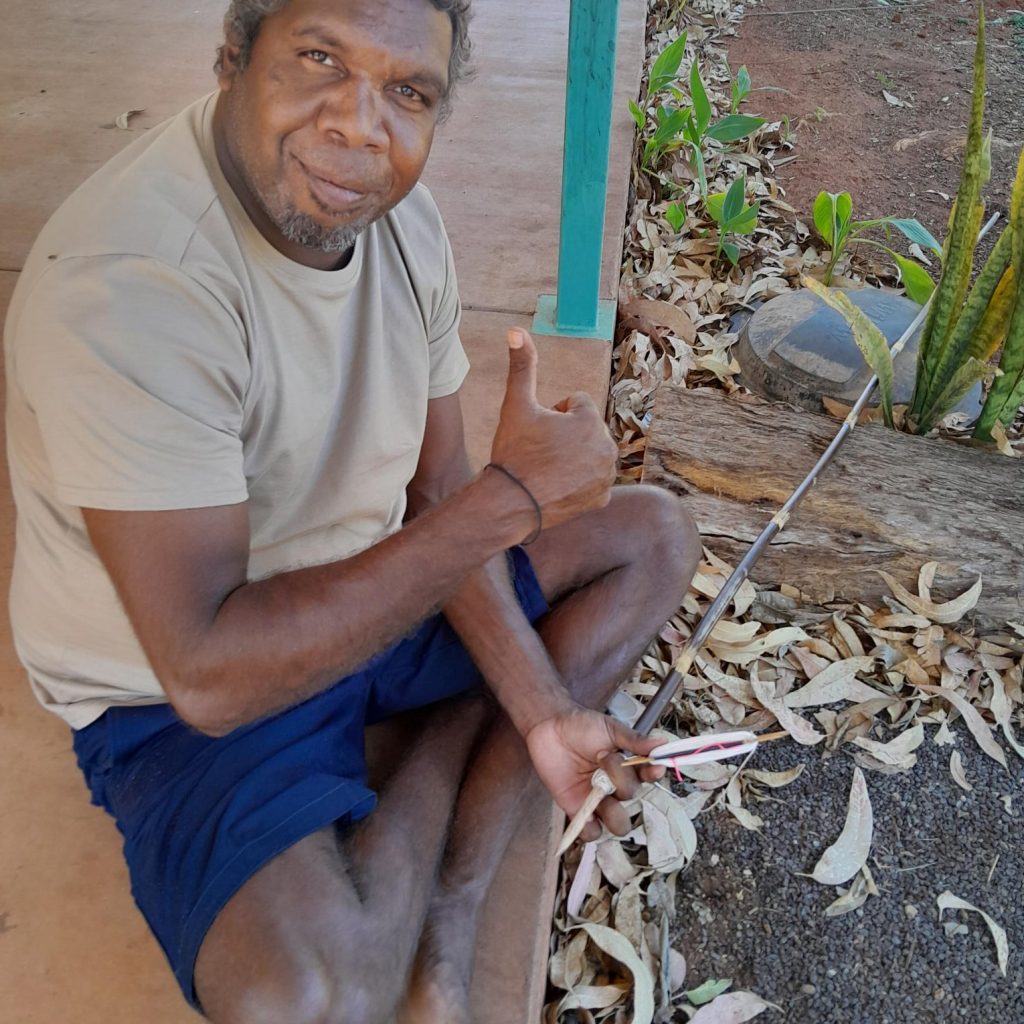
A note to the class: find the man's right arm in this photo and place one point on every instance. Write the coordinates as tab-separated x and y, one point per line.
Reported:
228	651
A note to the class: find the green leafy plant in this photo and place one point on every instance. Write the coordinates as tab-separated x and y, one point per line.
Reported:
833	217
870	340
1006	308
733	216
678	122
966	324
741	89
698	126
675	214
668	121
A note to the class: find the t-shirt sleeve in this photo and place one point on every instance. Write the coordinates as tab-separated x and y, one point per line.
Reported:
136	374
448	362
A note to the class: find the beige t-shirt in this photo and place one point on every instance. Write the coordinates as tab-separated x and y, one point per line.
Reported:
162	354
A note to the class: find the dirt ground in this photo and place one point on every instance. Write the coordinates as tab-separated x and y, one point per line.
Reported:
744	912
827	72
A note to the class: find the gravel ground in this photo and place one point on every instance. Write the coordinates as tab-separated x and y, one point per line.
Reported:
744	912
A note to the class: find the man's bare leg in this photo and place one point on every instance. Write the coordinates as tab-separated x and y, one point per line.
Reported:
614	578
325	933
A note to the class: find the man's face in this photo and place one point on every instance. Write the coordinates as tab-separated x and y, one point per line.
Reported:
330	124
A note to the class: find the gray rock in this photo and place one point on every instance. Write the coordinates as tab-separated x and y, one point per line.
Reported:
796	349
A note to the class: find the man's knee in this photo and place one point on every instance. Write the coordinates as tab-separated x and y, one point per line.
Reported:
301	996
291	993
670	540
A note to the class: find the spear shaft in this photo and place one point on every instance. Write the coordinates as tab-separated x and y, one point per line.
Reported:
668	689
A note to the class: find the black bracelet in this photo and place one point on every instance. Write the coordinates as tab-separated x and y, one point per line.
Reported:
536	504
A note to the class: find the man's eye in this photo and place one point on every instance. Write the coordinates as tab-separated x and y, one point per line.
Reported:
320	57
410	93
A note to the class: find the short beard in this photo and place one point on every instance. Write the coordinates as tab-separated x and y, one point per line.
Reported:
301	229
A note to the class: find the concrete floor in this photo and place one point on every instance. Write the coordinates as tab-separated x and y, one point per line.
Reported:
72	946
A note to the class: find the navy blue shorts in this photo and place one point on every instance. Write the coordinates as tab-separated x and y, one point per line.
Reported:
201	815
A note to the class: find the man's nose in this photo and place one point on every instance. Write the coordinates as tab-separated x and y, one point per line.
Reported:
353	113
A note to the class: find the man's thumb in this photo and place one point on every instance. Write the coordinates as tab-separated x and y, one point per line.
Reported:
522	367
631	741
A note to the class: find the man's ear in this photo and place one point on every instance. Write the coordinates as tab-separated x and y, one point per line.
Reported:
228	60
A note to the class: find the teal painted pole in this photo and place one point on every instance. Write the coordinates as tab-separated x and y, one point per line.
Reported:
577	310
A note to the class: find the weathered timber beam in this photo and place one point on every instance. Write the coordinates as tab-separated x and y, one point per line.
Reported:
889	501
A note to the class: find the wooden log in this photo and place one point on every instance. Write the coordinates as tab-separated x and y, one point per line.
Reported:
888	501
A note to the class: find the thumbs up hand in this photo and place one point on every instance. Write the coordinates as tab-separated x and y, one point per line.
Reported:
565	455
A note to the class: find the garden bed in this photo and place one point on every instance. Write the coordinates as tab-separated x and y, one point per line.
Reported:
825	75
719	904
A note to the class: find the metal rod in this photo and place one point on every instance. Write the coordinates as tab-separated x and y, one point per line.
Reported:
588	119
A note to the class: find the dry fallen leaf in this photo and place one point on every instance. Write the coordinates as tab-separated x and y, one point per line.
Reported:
1002	441
775	779
663	314
614	864
747	819
581	881
122	120
621	949
732	1008
946	614
897	752
947	901
569	963
851	899
799	728
835	683
943	737
676	970
979	729
1002	711
671	837
894	101
956	769
845	857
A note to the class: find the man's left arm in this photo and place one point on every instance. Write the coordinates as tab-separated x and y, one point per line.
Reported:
565	741
485	611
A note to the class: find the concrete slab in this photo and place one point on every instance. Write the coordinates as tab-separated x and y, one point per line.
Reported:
60	84
496	167
565	366
69	931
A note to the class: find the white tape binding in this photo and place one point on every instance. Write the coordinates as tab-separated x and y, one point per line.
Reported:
716	746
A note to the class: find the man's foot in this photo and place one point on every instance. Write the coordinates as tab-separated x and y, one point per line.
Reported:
438	991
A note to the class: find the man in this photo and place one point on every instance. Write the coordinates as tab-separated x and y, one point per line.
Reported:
236	449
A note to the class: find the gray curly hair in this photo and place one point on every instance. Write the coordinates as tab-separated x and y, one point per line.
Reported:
244	18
